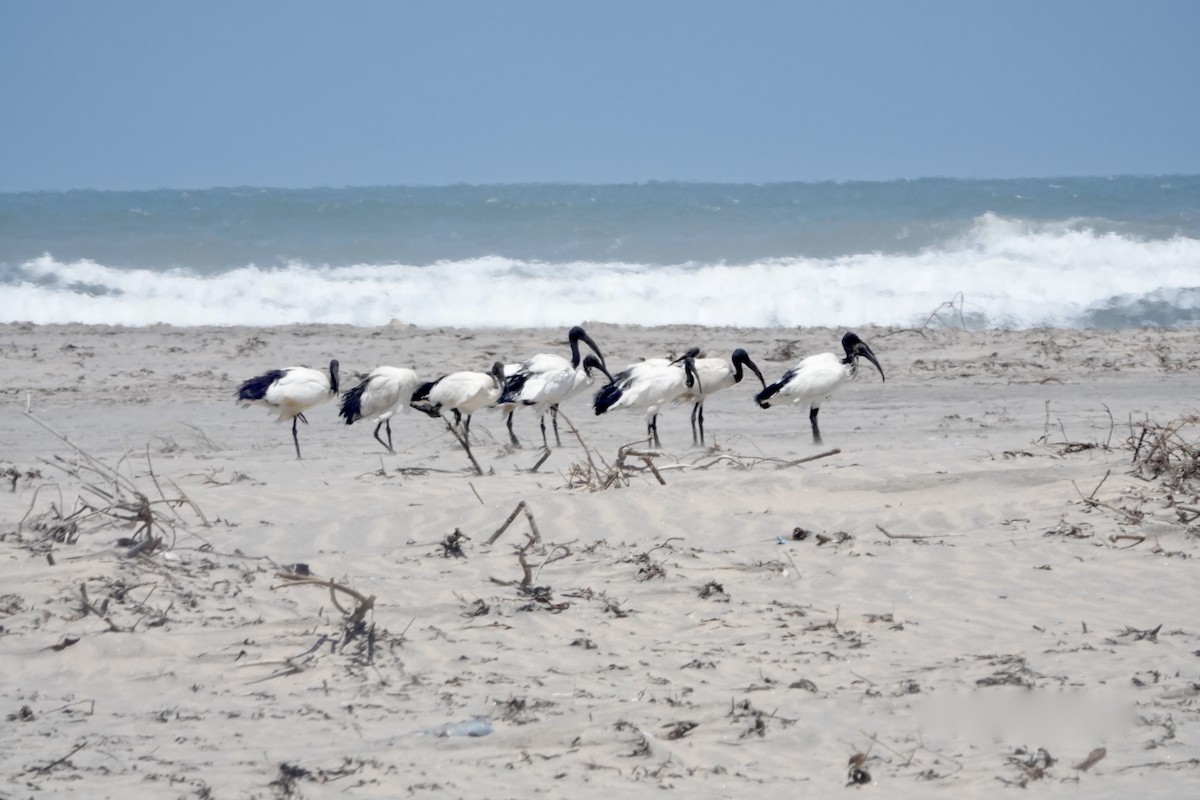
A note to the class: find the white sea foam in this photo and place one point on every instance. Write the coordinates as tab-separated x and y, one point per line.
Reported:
1007	273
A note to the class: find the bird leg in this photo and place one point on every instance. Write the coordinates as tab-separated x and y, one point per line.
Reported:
652	431
542	420
512	435
554	420
295	436
388	443
812	417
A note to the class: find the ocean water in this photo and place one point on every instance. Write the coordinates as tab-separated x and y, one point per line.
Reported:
1077	252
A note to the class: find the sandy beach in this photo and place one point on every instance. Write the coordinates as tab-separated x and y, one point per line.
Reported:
991	584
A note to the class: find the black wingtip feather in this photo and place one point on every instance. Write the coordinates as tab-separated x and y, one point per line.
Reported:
606	398
422	392
351	409
513	385
256	388
766	394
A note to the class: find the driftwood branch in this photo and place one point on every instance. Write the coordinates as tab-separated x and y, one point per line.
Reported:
835	451
466	445
57	761
913	536
499	531
364	602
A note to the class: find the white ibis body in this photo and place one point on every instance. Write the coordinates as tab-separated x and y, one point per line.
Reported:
291	391
817	377
463	393
548	379
385	392
647	387
715	375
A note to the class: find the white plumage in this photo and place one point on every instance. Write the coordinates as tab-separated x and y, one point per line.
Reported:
817	377
647	387
714	375
544	387
547	380
291	391
463	393
384	393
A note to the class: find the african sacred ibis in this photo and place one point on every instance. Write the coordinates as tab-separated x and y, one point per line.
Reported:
547	379
463	393
385	392
291	391
817	377
714	375
649	386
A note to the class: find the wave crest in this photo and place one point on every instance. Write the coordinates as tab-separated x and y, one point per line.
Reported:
1009	272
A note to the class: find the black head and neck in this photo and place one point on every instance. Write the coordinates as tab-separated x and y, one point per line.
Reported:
333	376
497	373
742	358
577	335
591	363
691	377
856	347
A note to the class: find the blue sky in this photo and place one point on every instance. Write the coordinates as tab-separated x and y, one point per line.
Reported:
154	94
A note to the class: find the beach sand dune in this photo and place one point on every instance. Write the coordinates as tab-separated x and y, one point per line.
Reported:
991	579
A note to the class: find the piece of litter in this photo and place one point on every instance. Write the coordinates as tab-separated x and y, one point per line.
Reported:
476	726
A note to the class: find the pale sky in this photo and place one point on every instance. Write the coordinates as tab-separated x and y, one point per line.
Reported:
144	94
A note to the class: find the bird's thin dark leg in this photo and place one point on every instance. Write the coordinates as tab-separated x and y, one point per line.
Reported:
466	427
296	436
512	435
389	430
300	417
652	430
388	443
554	420
812	417
457	417
542	422
695	411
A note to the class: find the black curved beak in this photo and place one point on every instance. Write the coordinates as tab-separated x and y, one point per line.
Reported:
861	349
692	352
595	347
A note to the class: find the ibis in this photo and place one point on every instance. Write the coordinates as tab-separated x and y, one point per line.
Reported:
815	378
463	393
648	386
384	393
548	379
714	375
291	391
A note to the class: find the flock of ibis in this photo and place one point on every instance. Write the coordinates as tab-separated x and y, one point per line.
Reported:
546	380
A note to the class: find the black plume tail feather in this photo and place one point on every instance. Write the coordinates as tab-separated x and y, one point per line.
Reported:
422	392
513	385
766	394
351	409
256	387
606	398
